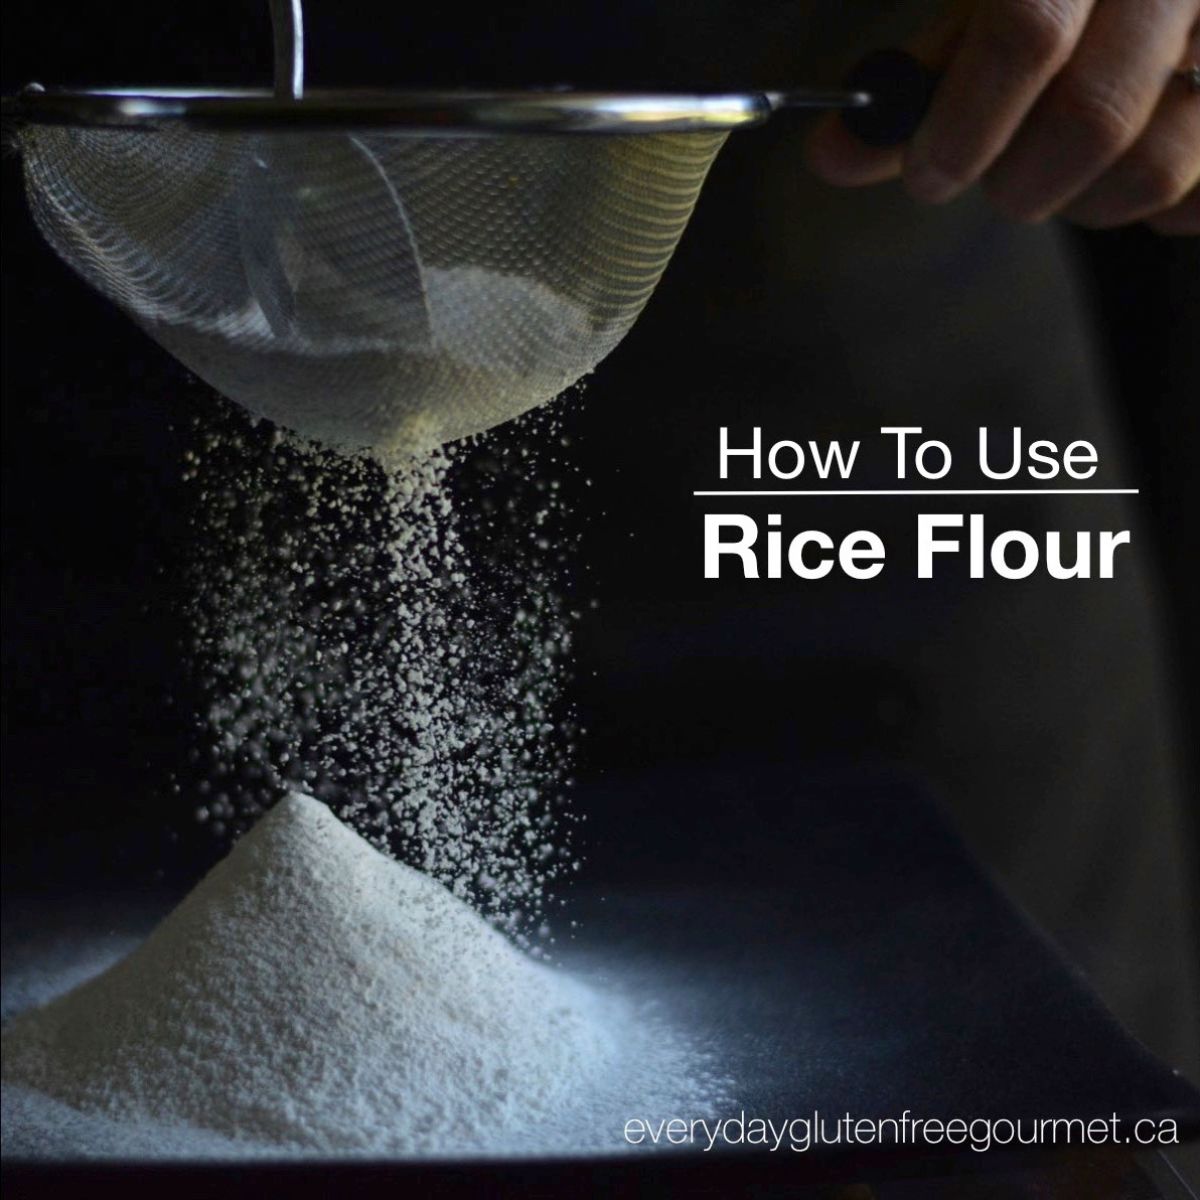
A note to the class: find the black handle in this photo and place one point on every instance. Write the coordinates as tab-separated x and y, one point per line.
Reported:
900	87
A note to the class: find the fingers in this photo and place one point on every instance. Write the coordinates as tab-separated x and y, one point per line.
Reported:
1060	106
1096	108
1181	221
835	155
1009	52
1155	174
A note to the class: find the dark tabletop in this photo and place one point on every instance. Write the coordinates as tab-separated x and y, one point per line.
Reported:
834	939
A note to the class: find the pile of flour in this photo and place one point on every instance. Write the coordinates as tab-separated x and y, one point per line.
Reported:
312	995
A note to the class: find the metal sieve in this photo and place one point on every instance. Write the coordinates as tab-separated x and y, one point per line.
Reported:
391	270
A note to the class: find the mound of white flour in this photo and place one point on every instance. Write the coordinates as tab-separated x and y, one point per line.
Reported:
312	995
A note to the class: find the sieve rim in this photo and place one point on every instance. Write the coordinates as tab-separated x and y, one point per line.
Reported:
444	112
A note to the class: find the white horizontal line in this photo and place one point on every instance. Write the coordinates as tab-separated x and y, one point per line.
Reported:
934	492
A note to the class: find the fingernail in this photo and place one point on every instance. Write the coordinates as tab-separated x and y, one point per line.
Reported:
929	185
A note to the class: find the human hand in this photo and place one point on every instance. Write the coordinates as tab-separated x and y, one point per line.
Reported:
1073	108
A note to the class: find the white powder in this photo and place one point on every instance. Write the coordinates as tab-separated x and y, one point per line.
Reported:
363	637
313	996
389	368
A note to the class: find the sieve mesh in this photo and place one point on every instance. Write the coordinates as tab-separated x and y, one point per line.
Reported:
372	289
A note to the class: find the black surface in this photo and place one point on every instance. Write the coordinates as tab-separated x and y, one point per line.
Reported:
95	516
841	952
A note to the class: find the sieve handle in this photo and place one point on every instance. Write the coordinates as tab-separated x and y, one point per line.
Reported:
287	22
901	88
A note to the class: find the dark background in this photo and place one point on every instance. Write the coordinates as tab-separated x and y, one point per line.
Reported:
93	430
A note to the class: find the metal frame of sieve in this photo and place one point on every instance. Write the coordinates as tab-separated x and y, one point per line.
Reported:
469	113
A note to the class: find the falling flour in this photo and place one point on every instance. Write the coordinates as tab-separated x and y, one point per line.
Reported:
311	995
391	636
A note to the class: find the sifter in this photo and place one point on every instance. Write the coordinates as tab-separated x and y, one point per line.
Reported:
384	270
